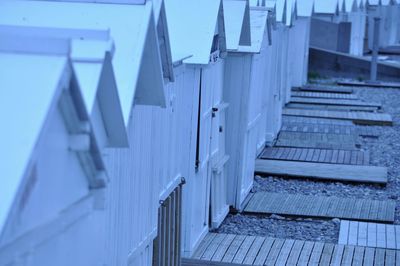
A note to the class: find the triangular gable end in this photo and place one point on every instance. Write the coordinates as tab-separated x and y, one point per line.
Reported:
150	83
245	35
221	31
234	14
108	100
164	42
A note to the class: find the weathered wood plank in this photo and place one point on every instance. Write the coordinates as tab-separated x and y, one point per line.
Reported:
316	253
264	251
310	206
244	248
323	88
362	118
274	252
344	232
326	95
253	251
338	102
295	252
316	140
305	253
233	248
337	255
328	107
348	173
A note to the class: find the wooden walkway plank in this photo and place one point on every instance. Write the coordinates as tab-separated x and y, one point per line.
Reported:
264	251
326	95
274	252
337	255
327	253
253	251
203	245
212	247
233	248
337	102
390	257
358	256
344	232
295	252
312	206
362	118
305	253
244	248
222	248
340	172
316	254
285	251
322	88
348	255
331	107
369	256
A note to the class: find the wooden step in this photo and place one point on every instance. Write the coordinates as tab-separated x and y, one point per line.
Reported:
369	234
343	102
315	120
362	118
348	108
257	250
319	206
322	88
323	171
316	140
327	95
316	155
368	131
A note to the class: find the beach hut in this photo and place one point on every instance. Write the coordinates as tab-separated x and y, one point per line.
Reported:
54	179
197	37
245	68
299	42
389	32
133	190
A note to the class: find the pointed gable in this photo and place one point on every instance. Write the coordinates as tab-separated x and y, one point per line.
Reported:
258	22
235	24
304	8
192	26
329	7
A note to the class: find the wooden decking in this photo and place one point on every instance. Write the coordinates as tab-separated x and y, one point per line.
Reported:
315	120
318	206
349	108
321	155
323	171
322	88
311	127
227	249
369	234
343	102
327	95
362	118
316	140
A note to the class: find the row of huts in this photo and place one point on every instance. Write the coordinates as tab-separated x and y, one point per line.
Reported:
131	127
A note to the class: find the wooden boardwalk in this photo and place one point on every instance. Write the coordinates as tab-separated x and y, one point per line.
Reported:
363	118
349	108
315	120
229	250
319	206
343	102
369	131
327	95
323	171
321	155
322	88
316	140
369	234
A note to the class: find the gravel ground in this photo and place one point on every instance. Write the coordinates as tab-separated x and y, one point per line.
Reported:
384	151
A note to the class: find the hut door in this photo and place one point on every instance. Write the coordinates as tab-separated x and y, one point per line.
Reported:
218	157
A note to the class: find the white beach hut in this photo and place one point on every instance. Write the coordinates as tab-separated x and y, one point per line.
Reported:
55	176
197	38
132	196
245	69
299	42
388	11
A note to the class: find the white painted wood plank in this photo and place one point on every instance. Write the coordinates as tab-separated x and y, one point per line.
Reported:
344	232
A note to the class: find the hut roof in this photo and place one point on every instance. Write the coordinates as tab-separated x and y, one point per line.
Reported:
235	24
136	53
192	26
